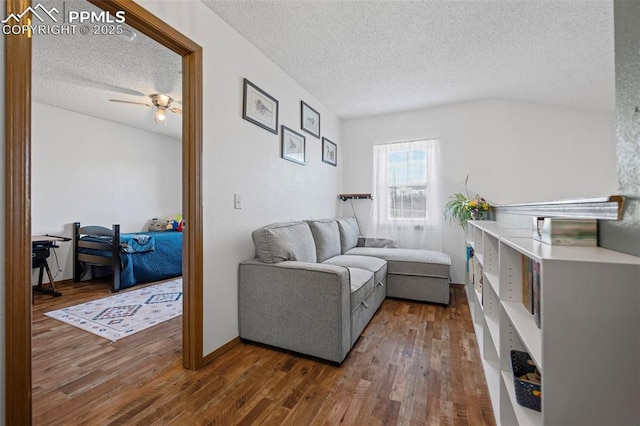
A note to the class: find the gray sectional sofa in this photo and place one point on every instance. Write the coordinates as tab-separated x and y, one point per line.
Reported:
315	285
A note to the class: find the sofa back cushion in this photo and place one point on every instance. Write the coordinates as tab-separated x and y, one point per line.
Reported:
349	233
327	238
284	241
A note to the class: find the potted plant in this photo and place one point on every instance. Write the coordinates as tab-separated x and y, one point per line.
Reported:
463	208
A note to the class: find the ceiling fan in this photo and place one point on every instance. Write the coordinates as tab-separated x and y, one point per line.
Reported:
161	101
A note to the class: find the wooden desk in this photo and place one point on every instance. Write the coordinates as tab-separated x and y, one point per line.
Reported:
41	246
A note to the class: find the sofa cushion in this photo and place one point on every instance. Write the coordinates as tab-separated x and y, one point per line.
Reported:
327	238
284	241
400	261
361	285
368	263
349	233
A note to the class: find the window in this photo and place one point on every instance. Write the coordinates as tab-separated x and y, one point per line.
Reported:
407	184
401	178
406	202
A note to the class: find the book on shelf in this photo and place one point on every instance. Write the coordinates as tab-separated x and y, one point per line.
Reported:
527	283
536	283
470	264
477	277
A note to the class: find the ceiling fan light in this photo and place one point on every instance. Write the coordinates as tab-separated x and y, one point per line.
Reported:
128	34
160	116
163	100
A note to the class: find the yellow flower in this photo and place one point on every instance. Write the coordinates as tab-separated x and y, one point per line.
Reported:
485	206
472	203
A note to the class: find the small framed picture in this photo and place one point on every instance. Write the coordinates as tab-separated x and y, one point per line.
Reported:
309	119
329	152
259	107
293	146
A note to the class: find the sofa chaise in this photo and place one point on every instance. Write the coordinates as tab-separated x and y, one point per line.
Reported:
314	285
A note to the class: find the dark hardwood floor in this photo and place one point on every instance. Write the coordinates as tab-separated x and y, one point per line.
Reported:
415	364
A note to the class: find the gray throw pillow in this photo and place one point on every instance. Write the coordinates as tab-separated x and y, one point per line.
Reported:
349	233
327	238
279	242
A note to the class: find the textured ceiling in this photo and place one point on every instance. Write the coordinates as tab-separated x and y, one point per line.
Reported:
82	72
369	57
357	57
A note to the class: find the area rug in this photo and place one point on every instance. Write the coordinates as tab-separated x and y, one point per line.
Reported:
126	313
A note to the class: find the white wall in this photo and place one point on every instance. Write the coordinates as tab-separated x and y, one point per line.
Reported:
240	157
97	172
512	151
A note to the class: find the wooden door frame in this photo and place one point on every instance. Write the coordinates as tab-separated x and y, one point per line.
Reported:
17	226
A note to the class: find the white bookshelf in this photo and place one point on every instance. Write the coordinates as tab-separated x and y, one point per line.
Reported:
588	346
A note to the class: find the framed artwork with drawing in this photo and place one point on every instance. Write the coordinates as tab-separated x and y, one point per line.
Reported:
259	107
292	146
329	152
309	119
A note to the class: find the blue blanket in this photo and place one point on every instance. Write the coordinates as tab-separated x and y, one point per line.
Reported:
137	243
145	256
143	265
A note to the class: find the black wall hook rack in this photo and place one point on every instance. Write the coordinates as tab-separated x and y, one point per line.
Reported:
345	197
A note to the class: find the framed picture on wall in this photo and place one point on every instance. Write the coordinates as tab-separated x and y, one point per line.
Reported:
329	152
259	107
293	146
309	119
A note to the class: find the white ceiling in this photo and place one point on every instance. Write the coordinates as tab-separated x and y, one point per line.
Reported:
374	56
82	72
357	57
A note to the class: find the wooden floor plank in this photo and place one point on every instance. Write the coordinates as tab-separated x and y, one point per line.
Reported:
415	364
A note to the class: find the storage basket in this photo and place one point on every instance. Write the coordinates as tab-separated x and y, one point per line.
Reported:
528	394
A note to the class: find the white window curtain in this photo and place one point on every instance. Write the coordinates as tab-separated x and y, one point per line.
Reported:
406	194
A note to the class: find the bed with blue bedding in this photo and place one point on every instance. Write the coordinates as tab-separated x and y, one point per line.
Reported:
132	258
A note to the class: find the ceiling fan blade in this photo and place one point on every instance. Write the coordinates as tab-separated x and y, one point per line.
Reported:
176	110
130	102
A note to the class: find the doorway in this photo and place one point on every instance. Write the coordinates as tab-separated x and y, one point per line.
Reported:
18	209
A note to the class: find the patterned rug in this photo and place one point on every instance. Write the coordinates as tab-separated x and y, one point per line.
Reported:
126	313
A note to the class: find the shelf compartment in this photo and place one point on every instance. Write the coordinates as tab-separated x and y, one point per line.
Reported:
479	329
491	307
478	279
493	379
490	253
477	240
510	274
468	234
493	280
478	313
525	416
468	291
525	326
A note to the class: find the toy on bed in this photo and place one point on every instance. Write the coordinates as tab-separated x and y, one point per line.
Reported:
130	258
169	223
174	226
157	225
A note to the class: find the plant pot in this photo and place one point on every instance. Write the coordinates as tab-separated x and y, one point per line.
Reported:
477	215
